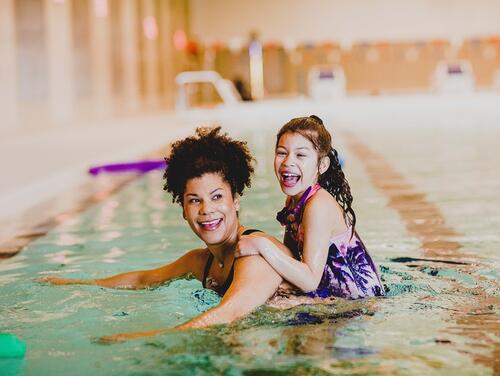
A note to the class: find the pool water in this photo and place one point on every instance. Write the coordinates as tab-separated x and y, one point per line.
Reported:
440	315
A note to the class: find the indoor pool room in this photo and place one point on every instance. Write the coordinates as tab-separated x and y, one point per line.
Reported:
413	114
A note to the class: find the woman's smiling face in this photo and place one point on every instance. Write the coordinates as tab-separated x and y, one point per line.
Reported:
210	209
295	163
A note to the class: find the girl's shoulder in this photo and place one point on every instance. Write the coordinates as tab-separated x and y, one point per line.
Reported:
322	200
321	197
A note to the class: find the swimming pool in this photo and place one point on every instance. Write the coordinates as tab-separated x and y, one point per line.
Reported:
428	210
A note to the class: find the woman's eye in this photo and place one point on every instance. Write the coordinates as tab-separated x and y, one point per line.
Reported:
194	201
217	197
280	153
301	155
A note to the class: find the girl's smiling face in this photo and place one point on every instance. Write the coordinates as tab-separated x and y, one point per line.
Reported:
210	209
296	164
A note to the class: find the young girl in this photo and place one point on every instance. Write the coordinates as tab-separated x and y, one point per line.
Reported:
329	257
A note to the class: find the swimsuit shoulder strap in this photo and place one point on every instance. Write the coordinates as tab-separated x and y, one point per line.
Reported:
207	269
315	188
228	282
249	231
229	279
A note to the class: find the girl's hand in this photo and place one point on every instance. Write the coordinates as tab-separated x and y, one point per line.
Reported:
248	245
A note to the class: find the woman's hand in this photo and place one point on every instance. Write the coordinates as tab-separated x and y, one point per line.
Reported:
114	338
249	245
58	281
191	262
122	337
119	337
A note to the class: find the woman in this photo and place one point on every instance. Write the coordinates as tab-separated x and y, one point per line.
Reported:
206	175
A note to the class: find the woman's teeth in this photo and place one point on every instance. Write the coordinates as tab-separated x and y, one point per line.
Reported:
210	225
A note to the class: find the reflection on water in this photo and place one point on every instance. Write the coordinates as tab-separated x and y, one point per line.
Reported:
9	278
13	263
422	218
113	254
64	257
440	315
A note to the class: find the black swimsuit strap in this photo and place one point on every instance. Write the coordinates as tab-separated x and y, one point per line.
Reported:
207	269
250	231
229	279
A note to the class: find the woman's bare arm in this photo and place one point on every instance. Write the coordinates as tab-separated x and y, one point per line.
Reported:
191	262
254	282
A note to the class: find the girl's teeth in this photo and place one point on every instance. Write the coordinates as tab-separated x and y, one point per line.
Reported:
290	179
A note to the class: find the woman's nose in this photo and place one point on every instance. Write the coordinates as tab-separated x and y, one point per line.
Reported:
206	207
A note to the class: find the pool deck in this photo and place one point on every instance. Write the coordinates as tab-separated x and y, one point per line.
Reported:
39	165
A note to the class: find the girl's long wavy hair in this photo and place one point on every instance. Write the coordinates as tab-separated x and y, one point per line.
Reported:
333	179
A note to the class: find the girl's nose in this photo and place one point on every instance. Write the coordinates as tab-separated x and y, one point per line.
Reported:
288	160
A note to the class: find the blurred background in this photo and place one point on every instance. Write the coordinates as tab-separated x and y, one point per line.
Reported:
66	62
88	82
411	93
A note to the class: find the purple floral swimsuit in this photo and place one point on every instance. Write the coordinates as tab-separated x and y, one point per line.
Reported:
349	270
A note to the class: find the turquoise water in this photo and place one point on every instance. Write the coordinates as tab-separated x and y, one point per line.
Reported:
438	318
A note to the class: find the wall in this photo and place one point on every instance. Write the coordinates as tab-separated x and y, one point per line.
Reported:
68	62
345	21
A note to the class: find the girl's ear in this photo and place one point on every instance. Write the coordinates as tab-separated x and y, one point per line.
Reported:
324	163
236	201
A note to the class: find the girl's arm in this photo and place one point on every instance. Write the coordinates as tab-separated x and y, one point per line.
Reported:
317	221
191	262
253	284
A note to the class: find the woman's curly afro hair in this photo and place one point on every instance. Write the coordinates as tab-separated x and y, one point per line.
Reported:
208	151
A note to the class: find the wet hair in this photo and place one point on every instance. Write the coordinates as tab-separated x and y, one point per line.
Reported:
333	179
208	151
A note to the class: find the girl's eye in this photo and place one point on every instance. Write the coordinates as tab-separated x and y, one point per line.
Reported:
280	153
301	155
194	200
217	196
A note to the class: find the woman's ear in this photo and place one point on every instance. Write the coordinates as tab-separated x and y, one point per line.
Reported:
236	201
184	214
324	163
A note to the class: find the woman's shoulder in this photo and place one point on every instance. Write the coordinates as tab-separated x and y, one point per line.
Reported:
196	260
198	254
255	233
250	230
